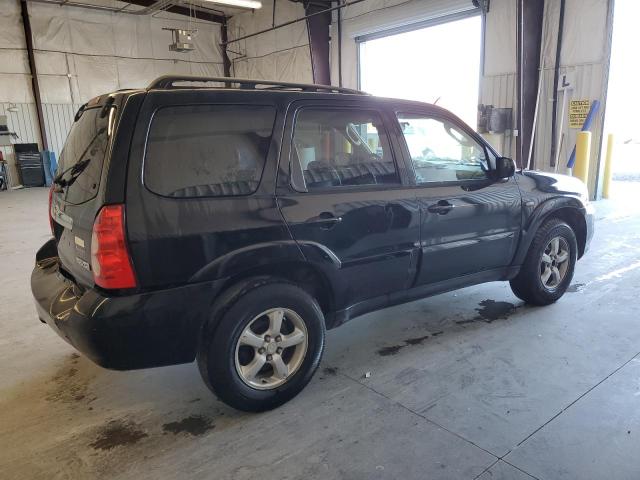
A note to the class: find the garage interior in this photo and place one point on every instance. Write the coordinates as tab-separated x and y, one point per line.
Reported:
471	384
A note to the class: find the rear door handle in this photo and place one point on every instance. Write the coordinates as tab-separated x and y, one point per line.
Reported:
326	220
441	208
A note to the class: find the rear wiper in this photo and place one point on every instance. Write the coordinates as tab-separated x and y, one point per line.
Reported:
75	170
80	112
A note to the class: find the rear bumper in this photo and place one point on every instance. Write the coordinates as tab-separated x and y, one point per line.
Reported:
122	332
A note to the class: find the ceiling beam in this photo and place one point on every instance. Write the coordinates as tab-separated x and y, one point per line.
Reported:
194	12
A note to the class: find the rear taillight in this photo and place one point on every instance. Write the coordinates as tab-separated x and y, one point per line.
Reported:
50	212
110	259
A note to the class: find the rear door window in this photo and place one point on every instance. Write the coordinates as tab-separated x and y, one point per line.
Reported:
208	150
342	147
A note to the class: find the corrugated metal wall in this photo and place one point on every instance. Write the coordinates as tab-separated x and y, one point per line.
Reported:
58	119
584	59
24	122
587	83
500	91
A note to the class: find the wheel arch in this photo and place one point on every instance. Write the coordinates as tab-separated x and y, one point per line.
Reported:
566	209
300	273
576	221
272	261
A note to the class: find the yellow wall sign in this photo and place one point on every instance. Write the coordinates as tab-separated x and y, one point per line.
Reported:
578	111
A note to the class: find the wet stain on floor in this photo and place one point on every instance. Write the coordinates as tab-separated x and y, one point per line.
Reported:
118	433
330	371
465	321
193	425
386	351
394	349
417	340
576	287
68	386
491	310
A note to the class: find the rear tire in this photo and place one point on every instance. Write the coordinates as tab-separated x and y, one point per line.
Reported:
548	268
262	345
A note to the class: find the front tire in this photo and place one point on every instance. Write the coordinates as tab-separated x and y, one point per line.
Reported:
548	268
263	346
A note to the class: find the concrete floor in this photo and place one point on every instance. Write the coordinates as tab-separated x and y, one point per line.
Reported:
465	385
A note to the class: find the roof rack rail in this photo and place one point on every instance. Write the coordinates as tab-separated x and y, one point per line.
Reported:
167	82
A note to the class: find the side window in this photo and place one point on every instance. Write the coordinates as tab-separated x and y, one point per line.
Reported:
340	147
207	150
441	151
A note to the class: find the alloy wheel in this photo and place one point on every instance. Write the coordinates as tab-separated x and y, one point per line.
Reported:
554	263
271	348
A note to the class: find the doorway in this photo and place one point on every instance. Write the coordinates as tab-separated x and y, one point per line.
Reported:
623	101
438	63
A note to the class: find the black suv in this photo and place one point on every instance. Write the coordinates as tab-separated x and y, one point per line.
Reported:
235	222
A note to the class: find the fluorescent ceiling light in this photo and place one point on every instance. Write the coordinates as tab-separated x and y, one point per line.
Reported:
253	4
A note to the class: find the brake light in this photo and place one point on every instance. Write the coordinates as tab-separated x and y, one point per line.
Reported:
110	260
50	212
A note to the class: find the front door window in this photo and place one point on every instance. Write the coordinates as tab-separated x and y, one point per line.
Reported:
441	151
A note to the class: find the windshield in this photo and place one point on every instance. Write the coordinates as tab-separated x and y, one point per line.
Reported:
81	160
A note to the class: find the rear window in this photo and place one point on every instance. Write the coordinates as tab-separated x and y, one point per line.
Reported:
208	150
83	154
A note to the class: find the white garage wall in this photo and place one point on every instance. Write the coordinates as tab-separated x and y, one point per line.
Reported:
282	54
498	82
15	82
584	55
585	59
82	53
498	85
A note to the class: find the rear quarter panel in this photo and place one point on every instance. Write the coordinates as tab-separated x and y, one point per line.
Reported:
181	240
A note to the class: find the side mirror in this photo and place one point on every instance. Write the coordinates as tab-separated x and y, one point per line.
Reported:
505	168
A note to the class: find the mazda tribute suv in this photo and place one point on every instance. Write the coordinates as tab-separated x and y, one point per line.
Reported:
234	221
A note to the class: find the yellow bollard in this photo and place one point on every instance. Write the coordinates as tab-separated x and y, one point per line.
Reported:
606	185
583	153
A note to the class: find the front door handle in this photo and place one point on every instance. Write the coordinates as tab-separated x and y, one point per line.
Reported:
326	220
441	208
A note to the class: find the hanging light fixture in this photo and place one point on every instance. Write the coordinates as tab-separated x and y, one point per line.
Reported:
250	4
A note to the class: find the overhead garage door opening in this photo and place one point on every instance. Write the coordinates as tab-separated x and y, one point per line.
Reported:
623	101
436	64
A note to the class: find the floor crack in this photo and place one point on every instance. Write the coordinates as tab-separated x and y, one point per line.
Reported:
418	414
577	399
486	469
